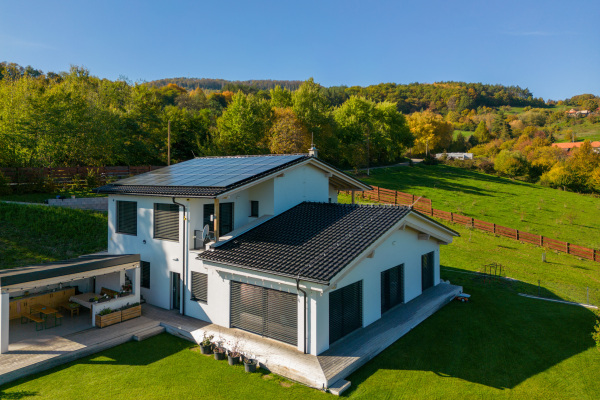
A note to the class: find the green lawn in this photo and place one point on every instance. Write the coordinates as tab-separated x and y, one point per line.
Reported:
466	134
533	208
35	234
499	345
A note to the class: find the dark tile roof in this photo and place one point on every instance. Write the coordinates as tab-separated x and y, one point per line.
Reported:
203	177
313	240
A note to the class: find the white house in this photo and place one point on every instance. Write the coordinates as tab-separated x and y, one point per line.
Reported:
285	260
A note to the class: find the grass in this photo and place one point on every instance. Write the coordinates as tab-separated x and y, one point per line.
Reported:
35	234
466	134
532	208
499	345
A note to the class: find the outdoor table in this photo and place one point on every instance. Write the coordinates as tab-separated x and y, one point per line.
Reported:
46	311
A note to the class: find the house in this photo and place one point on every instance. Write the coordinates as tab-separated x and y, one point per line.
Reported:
571	145
454	156
282	259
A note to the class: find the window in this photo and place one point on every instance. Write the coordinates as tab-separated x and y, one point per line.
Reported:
392	287
427	271
166	221
254	208
145	274
127	217
199	286
226	217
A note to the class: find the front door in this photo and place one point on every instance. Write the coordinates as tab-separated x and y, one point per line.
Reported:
176	290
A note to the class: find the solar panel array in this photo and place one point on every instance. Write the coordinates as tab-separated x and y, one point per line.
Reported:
210	172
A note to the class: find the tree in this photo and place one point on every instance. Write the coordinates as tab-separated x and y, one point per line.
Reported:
244	125
311	106
288	134
501	128
430	131
482	134
559	176
511	163
280	97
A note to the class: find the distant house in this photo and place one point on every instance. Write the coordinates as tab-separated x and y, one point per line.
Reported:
570	146
455	156
578	113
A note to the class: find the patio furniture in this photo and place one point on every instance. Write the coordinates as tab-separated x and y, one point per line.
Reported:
25	318
45	311
58	319
70	307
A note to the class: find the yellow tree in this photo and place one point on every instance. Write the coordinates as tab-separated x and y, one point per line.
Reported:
287	134
430	131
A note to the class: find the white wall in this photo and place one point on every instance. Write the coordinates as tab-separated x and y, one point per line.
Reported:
302	183
161	254
4	321
402	247
333	195
110	281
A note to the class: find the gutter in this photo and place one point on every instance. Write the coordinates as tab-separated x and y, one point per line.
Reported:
305	300
183	257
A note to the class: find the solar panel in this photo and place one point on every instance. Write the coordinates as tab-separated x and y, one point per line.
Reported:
210	171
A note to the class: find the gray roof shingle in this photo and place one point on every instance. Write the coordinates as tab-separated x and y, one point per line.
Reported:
312	240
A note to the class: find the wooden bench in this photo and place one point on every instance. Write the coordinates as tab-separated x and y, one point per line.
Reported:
25	318
58	319
109	292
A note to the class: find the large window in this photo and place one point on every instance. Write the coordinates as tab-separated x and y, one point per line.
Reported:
226	217
392	287
199	287
127	217
166	221
254	208
345	311
145	274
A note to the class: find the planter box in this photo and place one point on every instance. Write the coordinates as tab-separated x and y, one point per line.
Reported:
108	319
130	313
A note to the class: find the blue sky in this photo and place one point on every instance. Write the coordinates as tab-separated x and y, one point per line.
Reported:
550	47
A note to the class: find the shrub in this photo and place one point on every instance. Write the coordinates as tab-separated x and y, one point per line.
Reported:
511	163
596	333
4	185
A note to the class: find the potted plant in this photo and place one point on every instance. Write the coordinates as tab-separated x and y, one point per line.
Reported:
130	311
108	317
233	355
250	365
206	343
219	352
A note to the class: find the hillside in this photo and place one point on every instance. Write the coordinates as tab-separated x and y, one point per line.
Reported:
223	84
533	208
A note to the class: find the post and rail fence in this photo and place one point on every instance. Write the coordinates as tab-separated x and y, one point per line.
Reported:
425	206
18	175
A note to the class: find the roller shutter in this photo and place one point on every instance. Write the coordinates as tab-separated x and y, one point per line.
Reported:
199	286
267	312
392	287
166	221
127	217
145	274
427	269
345	311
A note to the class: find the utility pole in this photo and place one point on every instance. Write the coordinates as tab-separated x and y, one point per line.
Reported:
368	153
169	143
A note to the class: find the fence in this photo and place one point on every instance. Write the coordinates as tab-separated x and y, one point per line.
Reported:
69	174
425	206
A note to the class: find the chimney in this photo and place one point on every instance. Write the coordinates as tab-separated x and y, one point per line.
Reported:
313	152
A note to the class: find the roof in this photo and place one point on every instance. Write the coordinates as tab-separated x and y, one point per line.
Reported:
81	265
313	241
212	176
572	145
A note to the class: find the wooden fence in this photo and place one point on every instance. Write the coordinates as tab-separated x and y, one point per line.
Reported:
69	174
424	205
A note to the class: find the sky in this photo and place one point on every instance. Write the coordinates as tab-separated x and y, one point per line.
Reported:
550	47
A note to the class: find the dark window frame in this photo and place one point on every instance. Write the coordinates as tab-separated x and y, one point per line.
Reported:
254	208
387	303
206	217
199	293
172	208
145	276
427	263
118	222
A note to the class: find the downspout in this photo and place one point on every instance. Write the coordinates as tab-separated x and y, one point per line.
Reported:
183	257
305	299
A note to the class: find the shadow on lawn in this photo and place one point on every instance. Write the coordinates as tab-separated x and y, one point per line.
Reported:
17	395
498	339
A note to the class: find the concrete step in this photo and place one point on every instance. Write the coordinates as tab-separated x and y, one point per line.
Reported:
339	387
148	333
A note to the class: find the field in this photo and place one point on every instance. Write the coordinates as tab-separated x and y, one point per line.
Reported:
583	130
528	207
35	234
41	197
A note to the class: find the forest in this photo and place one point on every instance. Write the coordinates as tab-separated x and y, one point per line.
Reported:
76	119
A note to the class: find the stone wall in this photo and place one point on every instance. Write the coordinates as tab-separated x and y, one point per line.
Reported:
84	203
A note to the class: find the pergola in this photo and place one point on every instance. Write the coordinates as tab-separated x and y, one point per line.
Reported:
18	280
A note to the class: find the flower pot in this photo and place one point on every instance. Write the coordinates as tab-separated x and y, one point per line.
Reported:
250	366
219	355
206	349
233	360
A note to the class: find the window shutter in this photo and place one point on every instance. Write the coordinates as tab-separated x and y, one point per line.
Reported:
145	274
127	217
166	221
199	286
392	287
